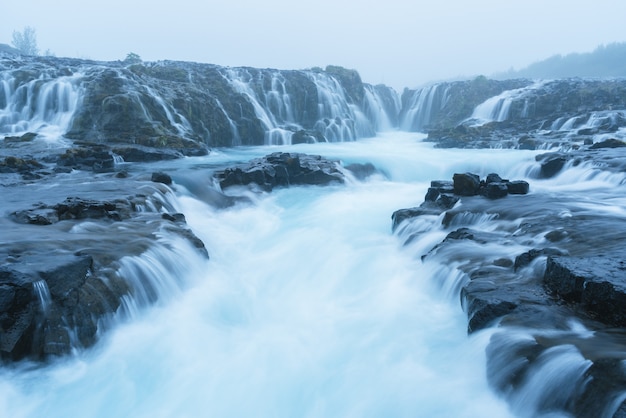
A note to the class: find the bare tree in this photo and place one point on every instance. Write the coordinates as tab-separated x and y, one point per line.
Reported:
26	41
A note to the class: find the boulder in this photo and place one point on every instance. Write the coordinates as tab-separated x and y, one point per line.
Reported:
609	143
518	187
597	284
466	184
161	177
282	169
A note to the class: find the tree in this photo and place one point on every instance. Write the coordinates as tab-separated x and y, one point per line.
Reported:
26	41
132	58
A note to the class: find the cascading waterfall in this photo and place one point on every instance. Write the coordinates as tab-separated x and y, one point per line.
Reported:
374	109
44	105
274	134
498	108
421	106
338	121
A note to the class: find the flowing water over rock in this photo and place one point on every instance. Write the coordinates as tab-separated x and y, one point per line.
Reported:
309	305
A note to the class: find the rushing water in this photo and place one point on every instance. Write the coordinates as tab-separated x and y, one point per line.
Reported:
308	307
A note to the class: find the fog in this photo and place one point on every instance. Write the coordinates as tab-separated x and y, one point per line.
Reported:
402	43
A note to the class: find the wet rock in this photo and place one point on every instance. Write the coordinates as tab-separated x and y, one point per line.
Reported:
27	137
466	184
145	154
282	169
598	284
361	171
94	158
495	190
551	164
160	177
609	143
518	187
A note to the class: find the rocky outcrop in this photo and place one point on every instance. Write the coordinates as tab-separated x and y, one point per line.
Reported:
183	108
564	113
443	195
596	284
444	106
57	293
282	169
571	272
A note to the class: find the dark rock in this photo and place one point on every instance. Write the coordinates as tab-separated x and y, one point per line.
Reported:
282	169
160	177
145	154
77	208
527	143
518	187
493	190
174	217
95	158
65	274
551	164
526	258
402	215
432	194
494	178
598	284
27	137
19	165
609	143
466	184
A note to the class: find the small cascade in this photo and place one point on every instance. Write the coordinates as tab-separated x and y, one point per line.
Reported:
338	120
40	288
160	274
377	111
175	119
421	106
494	109
43	105
240	79
498	108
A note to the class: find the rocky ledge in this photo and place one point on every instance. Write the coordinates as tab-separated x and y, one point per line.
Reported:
537	263
281	169
62	275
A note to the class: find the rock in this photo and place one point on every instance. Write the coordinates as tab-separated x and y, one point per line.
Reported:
551	164
597	284
361	171
145	154
282	169
609	143
494	178
27	137
19	165
65	274
495	190
77	208
95	158
466	184
518	187
160	177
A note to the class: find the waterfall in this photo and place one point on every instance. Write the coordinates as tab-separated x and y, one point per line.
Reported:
379	112
498	108
42	105
420	107
40	287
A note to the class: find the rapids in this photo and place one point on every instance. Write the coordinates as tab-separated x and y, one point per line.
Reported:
309	306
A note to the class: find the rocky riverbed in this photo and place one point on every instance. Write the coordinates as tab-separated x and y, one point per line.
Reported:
536	262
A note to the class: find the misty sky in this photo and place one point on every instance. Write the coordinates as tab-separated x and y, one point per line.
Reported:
397	42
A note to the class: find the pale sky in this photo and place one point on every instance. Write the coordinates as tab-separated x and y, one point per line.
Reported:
402	43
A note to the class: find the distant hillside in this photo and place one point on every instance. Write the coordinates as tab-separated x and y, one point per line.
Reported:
604	61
